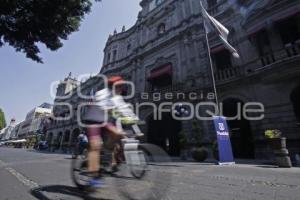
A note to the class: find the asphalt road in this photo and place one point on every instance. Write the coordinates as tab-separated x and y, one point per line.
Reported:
26	174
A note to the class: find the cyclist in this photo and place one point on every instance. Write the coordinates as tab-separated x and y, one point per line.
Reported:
95	115
82	141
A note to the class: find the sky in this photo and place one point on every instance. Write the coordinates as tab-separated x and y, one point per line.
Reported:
25	84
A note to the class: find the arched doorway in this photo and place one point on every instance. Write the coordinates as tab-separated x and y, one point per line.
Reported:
164	133
59	139
49	138
67	136
240	130
295	98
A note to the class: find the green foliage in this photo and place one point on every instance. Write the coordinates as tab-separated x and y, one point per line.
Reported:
200	154
25	23
273	134
182	140
2	120
196	135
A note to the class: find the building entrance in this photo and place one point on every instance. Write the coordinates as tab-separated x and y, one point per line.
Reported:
240	130
164	133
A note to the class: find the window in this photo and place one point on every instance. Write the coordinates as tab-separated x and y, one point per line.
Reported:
222	59
295	98
128	47
262	43
114	55
160	77
155	3
211	3
289	29
161	29
108	58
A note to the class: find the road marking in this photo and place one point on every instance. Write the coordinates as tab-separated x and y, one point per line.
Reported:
26	181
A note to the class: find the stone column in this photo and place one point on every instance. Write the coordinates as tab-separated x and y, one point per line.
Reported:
62	141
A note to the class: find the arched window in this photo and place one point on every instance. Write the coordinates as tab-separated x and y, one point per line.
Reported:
211	3
295	98
128	47
161	29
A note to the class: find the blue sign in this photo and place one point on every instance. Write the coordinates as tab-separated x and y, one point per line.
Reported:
223	138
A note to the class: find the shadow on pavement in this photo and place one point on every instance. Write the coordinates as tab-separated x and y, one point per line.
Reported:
63	190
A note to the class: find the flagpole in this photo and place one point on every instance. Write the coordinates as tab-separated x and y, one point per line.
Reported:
211	67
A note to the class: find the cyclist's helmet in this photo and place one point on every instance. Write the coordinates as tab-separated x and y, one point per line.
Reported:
118	81
115	79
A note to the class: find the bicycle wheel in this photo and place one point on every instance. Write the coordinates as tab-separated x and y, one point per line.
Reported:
147	180
138	164
79	173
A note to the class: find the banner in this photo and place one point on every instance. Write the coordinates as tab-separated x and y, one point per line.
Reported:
223	138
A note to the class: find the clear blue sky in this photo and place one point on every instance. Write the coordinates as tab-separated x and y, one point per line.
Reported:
25	84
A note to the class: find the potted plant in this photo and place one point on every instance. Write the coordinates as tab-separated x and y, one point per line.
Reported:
199	152
278	145
274	138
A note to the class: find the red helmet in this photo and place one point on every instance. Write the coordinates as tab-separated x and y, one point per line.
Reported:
115	79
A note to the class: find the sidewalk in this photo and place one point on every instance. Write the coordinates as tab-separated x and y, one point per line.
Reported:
239	181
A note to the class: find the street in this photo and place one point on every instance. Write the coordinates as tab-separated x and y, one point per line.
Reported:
27	174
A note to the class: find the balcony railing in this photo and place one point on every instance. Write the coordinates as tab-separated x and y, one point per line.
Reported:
166	89
229	73
293	50
290	51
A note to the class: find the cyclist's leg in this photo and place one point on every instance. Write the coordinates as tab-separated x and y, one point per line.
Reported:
115	135
116	155
94	135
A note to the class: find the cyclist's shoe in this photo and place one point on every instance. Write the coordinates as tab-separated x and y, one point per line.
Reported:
96	183
139	135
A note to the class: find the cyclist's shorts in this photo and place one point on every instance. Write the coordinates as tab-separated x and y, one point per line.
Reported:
95	132
94	115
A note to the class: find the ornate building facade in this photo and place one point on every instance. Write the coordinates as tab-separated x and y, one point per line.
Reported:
165	52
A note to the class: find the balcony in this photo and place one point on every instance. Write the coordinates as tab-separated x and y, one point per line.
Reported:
272	59
170	88
228	74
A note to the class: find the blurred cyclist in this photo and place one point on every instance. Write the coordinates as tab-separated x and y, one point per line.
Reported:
95	115
82	141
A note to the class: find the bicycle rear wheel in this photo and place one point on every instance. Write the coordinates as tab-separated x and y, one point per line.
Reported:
144	180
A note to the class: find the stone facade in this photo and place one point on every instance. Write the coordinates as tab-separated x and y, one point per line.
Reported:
166	51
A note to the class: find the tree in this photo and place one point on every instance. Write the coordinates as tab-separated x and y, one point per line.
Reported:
25	23
2	120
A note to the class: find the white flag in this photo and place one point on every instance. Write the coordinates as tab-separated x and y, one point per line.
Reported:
213	25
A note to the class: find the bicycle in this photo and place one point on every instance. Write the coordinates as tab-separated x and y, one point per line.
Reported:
80	149
132	153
